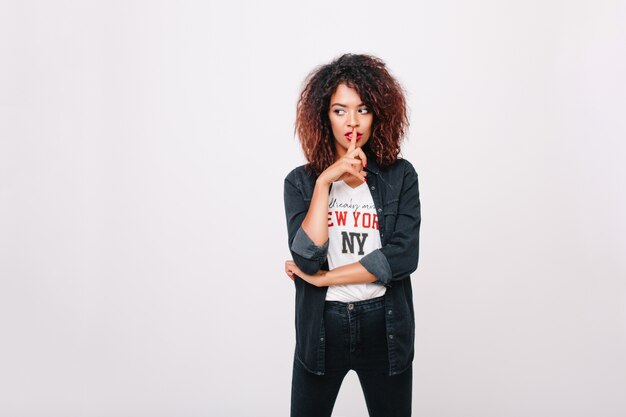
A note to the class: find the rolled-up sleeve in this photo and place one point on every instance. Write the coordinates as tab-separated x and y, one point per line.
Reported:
306	254
398	258
376	264
304	246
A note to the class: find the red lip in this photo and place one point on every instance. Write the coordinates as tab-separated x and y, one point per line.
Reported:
349	135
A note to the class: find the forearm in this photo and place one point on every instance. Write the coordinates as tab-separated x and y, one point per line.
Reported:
315	224
353	273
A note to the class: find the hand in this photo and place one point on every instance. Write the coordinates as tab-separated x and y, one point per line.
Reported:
292	270
290	267
351	164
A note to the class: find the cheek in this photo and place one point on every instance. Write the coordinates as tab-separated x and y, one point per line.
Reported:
334	124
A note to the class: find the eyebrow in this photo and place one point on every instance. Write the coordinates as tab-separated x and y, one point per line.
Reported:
343	105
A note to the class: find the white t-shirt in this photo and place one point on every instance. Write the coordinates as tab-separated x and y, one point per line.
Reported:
352	233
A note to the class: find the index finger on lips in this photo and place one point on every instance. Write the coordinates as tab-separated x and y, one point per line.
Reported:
353	140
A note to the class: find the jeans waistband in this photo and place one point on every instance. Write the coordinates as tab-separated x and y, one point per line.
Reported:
364	305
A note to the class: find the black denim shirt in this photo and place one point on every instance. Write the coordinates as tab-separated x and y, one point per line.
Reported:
395	193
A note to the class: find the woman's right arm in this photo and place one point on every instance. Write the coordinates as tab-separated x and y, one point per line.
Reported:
315	224
308	255
307	224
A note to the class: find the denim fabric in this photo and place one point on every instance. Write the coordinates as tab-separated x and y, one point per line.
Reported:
355	340
395	193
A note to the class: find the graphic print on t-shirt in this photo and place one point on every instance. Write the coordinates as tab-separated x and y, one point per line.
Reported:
358	218
353	233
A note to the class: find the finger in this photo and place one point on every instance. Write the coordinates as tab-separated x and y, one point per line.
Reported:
359	155
294	268
362	156
350	164
352	161
353	141
358	174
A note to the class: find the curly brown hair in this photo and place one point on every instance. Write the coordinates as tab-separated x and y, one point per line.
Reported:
378	90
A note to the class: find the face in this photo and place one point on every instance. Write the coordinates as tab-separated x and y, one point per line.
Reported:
348	112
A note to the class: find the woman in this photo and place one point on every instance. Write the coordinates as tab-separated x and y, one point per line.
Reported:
353	219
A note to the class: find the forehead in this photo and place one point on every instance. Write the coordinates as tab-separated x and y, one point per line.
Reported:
345	95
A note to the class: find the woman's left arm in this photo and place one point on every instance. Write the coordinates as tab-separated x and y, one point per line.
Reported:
353	273
398	258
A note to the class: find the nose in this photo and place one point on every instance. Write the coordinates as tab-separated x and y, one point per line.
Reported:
353	119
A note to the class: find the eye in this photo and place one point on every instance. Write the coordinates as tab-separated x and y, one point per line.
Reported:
339	112
364	110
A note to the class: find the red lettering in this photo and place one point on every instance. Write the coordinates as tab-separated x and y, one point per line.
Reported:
341	217
375	222
356	215
330	219
367	220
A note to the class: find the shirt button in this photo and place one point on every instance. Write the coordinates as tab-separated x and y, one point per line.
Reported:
322	339
380	210
373	188
391	336
350	306
389	312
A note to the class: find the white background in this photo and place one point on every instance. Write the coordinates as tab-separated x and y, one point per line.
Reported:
143	147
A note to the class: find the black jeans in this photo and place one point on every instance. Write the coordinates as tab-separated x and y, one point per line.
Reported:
355	339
